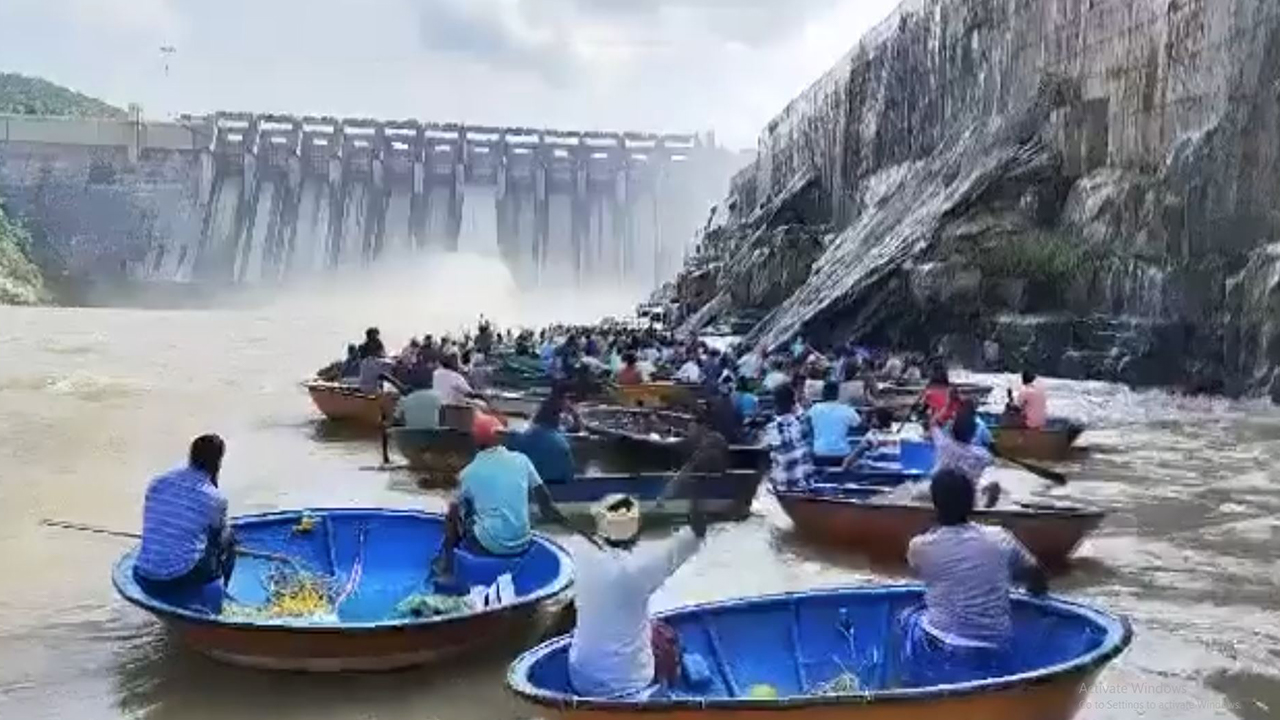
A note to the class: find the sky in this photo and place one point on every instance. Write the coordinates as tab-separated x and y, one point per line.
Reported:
659	65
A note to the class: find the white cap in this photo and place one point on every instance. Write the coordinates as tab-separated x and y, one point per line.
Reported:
617	517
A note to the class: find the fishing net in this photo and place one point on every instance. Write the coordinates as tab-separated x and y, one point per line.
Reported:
292	594
846	683
419	606
296	594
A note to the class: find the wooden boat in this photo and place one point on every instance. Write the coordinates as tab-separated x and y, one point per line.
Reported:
656	394
882	530
723	497
515	404
347	403
836	654
657	434
439	449
975	392
382	557
1052	442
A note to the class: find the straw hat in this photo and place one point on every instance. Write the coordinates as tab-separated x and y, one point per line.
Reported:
617	517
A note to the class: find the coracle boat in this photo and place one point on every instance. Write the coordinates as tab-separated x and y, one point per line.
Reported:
657	394
836	653
1051	531
447	448
658	436
900	399
913	461
442	453
516	404
1052	442
722	497
347	403
365	573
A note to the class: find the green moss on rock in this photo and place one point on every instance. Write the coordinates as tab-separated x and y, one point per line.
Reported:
20	280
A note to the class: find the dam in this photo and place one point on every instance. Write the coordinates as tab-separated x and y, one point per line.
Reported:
240	198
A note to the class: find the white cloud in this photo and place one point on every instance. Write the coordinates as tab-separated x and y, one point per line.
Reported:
727	65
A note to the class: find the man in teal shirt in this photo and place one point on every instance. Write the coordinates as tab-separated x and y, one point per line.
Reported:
490	515
832	422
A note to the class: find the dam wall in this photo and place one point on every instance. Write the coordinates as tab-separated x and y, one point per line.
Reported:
236	198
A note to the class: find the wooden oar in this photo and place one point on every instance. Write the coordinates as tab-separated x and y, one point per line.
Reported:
79	527
1052	476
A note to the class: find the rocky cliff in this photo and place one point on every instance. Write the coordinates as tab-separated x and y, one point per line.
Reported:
20	282
1093	183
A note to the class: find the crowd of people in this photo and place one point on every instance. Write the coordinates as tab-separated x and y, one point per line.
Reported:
807	406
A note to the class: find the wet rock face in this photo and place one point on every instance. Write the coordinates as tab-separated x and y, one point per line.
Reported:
1072	158
20	280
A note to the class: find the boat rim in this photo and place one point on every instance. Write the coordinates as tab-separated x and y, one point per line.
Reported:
1119	634
338	389
1076	511
132	593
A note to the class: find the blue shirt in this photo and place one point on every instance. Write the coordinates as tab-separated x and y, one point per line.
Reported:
549	451
181	509
497	482
831	424
982	434
747	404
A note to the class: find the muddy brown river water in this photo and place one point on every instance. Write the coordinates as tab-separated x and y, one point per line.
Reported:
94	402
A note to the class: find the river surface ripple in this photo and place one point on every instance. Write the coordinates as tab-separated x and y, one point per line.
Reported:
94	402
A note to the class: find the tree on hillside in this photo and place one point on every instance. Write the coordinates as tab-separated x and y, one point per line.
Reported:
22	95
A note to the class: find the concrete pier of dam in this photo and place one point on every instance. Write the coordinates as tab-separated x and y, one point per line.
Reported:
236	198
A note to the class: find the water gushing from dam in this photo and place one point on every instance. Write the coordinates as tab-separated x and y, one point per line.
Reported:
291	197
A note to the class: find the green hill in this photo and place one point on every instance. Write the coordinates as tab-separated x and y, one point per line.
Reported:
22	95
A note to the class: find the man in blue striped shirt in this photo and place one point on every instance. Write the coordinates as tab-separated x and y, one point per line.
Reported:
186	542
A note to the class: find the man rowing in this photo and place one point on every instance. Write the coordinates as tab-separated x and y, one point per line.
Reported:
187	544
490	514
964	630
545	444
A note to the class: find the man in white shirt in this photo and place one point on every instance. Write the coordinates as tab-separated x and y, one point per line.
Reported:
690	372
450	384
618	651
751	365
964	630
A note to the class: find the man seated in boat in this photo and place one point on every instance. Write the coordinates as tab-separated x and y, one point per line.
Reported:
789	437
963	631
186	540
618	651
956	449
341	369
940	399
452	386
1031	407
419	410
832	422
545	444
630	374
490	514
745	401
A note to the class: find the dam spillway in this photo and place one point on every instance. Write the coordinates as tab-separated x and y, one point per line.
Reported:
293	196
252	199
